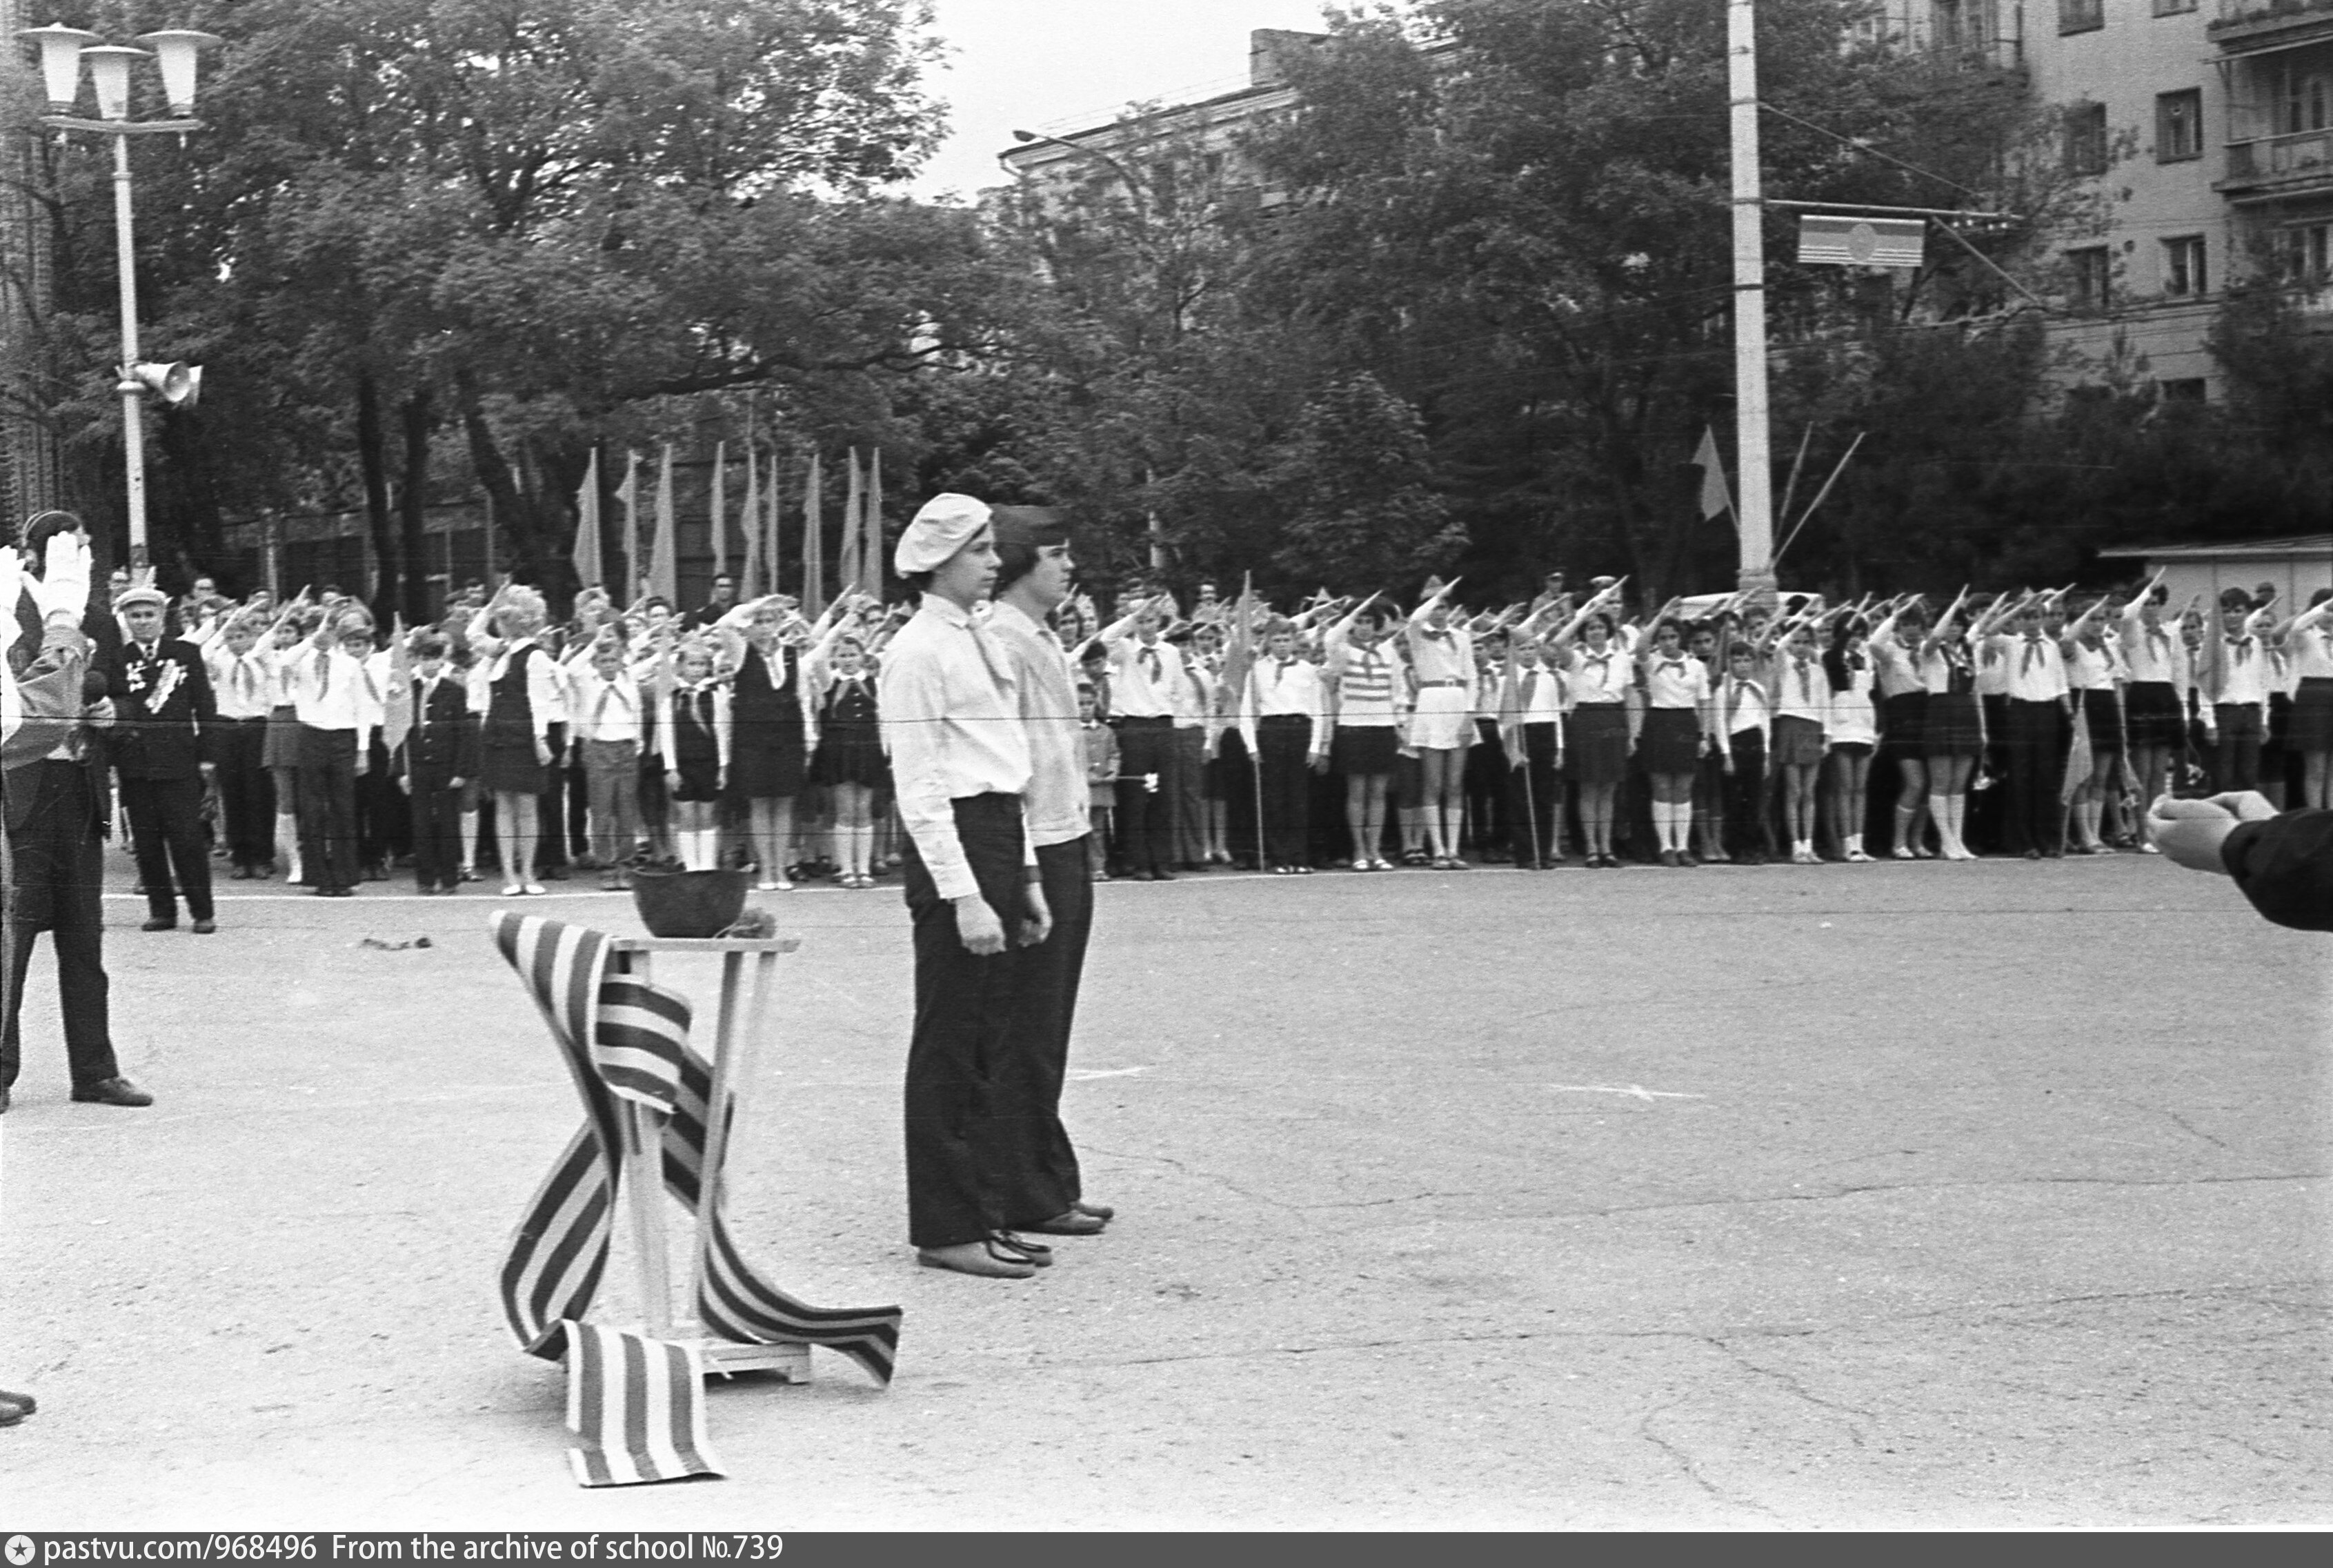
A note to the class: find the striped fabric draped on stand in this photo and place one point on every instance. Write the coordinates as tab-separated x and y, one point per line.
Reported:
635	1403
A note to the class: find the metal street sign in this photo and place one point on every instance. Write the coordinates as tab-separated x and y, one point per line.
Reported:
1829	239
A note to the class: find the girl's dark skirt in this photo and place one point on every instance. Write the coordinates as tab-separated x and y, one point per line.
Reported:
506	760
700	777
850	754
1596	743
2312	716
1361	749
2152	715
280	747
1904	725
1953	727
1798	741
2102	711
1670	744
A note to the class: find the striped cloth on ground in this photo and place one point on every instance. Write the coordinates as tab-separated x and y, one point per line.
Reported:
622	1037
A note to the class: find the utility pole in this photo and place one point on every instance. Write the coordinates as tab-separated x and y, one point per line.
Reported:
1754	519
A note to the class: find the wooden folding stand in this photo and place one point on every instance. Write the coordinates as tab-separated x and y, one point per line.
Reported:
736	1051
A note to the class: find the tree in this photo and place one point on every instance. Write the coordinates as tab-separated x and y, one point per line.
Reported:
528	222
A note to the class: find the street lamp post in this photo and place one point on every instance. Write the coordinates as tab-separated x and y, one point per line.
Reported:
1753	466
63	53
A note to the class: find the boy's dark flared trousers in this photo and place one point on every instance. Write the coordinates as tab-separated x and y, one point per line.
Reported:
1039	1179
962	1105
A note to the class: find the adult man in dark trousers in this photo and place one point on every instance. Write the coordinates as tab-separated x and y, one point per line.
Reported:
960	768
1039	1188
164	746
53	782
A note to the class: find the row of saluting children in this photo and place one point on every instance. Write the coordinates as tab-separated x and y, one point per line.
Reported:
1343	734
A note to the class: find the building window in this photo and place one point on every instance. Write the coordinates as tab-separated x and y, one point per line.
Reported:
2305	247
2086	139
2302	103
2087	272
2183	390
1956	25
2178	125
2183	271
2174	7
2080	15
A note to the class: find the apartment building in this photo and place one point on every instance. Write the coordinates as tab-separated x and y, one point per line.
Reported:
2207	126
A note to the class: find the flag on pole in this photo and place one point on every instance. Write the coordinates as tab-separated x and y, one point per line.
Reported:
591	572
749	587
813	593
664	566
846	557
630	494
769	526
870	553
397	702
1715	497
720	509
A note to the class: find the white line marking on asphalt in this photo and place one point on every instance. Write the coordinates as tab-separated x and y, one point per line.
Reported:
1634	1091
1081	1073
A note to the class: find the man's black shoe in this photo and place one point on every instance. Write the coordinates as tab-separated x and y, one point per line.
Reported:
111	1092
24	1402
160	923
204	928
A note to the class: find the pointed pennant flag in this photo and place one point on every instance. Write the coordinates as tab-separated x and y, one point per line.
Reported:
664	565
591	572
720	509
870	553
813	593
630	494
750	587
846	556
1713	495
397	702
771	523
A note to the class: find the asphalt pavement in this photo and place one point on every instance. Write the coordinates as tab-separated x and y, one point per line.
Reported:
1804	1198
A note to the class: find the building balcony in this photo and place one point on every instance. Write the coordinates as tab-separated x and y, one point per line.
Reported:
2301	164
2255	26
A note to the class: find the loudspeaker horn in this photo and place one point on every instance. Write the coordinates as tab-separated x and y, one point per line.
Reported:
178	384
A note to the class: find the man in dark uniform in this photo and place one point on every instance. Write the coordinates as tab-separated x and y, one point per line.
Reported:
53	781
718	603
164	745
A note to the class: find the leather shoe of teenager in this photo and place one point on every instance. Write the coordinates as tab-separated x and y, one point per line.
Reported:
1099	1210
984	1258
1038	1254
11	1412
159	924
24	1402
111	1092
203	928
1067	1223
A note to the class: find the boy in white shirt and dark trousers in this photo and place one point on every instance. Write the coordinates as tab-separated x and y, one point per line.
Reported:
606	706
2035	717
960	764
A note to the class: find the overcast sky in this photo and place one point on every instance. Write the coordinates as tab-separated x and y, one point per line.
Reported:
1057	65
